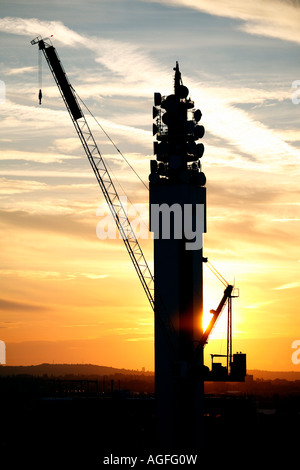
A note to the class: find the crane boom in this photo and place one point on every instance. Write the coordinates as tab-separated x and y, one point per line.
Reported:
99	167
216	313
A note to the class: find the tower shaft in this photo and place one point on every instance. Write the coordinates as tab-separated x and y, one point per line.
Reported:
178	221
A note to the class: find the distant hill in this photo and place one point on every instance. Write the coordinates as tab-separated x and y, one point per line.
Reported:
62	370
273	375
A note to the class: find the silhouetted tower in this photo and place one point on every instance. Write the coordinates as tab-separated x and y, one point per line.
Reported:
178	220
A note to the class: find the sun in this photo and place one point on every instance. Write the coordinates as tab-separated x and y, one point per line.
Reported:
212	294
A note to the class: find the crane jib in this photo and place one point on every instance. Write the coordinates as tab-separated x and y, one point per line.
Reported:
63	82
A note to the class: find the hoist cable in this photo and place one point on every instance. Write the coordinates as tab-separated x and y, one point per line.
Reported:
110	139
118	150
217	274
40	74
40	70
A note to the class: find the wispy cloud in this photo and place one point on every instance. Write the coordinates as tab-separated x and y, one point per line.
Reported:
33	26
45	157
8	187
122	58
140	338
291	285
273	18
291	219
91	275
15	186
12	305
46	173
259	304
223	120
29	119
248	135
61	223
19	70
50	275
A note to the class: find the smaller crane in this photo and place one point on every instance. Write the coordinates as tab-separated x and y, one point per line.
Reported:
235	369
216	313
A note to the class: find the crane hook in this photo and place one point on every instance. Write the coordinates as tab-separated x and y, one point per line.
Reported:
40	96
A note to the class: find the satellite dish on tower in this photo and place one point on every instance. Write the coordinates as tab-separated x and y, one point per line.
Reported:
197	115
183	92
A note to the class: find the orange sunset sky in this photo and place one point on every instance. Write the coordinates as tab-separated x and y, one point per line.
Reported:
68	297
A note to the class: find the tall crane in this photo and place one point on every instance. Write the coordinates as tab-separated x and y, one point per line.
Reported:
98	165
104	179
